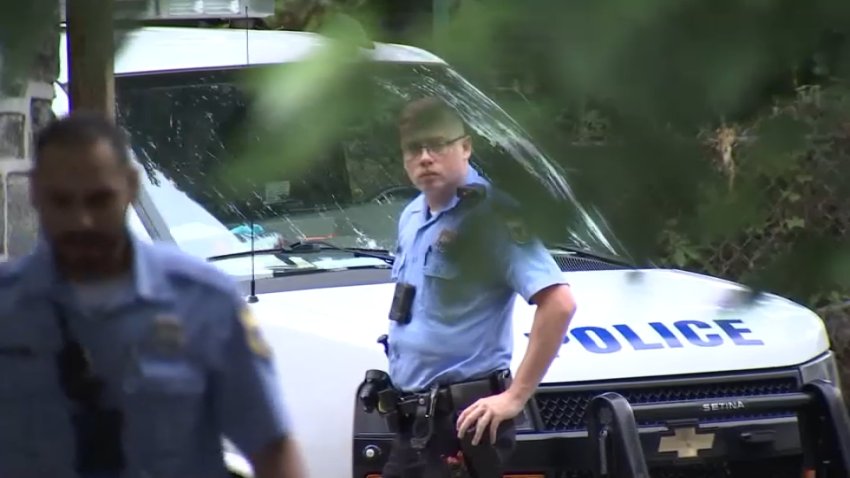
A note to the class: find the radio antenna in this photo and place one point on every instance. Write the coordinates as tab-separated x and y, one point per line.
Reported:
252	298
247	37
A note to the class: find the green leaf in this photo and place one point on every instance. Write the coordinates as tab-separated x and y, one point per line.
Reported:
795	222
691	253
778	141
679	258
790	195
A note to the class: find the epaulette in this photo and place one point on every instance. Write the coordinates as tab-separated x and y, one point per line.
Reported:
472	194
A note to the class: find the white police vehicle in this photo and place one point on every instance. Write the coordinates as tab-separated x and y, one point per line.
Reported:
660	367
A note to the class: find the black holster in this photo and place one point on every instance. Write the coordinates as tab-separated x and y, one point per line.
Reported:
423	408
482	460
376	392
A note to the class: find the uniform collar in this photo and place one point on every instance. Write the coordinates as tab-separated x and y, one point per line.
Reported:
149	279
472	177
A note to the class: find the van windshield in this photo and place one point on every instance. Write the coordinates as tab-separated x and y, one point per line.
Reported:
350	194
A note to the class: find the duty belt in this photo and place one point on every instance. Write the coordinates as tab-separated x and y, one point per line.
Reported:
423	407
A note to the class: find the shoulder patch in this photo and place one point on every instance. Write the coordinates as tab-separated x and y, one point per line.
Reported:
507	209
253	335
517	229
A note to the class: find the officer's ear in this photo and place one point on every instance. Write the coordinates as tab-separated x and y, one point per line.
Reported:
466	146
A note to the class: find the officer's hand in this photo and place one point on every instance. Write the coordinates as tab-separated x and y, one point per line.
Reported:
492	411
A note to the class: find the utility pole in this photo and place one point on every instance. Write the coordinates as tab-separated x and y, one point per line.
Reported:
91	49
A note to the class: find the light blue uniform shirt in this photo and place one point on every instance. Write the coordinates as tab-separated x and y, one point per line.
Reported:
172	349
460	329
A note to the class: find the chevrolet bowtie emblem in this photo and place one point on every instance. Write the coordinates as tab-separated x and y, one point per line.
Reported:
686	442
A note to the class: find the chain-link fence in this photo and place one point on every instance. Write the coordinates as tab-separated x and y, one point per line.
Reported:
803	197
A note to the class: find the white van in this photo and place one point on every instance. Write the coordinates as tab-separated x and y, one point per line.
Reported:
696	383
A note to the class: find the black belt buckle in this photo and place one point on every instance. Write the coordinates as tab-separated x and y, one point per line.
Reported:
500	380
420	440
432	402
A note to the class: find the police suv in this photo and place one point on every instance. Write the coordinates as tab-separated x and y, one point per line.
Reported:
661	370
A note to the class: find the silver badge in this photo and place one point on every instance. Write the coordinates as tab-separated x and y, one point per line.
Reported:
168	334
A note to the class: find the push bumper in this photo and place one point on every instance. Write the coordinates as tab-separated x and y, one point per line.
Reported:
571	454
618	450
817	439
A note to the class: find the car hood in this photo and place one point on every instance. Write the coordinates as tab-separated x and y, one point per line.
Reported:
628	324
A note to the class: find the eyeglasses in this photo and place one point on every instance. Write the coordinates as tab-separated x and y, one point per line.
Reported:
434	147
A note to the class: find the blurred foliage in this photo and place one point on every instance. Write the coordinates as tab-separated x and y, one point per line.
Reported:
712	136
22	34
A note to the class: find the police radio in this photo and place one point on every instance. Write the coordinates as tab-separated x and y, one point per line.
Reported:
97	430
402	304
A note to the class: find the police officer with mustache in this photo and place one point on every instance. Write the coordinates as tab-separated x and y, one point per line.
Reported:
463	255
120	357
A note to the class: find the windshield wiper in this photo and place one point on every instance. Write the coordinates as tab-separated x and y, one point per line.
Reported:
307	247
580	251
300	247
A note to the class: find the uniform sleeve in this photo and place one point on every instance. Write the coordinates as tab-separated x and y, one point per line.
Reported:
247	390
527	265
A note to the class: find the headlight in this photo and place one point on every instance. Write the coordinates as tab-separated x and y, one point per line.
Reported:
823	367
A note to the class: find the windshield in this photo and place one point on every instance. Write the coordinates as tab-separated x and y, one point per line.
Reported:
350	194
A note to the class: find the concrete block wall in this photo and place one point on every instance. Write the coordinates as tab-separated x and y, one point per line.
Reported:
20	117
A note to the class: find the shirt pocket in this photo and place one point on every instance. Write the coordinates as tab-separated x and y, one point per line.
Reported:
164	408
444	290
438	266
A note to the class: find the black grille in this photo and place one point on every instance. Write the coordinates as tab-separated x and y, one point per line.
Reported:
571	263
565	410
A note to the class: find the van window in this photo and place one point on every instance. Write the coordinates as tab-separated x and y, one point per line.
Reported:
349	191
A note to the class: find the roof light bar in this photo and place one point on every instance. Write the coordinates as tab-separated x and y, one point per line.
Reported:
147	10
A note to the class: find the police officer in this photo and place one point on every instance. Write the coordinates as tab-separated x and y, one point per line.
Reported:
120	357
450	338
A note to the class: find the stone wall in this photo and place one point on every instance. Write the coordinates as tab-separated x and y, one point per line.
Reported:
20	118
25	107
